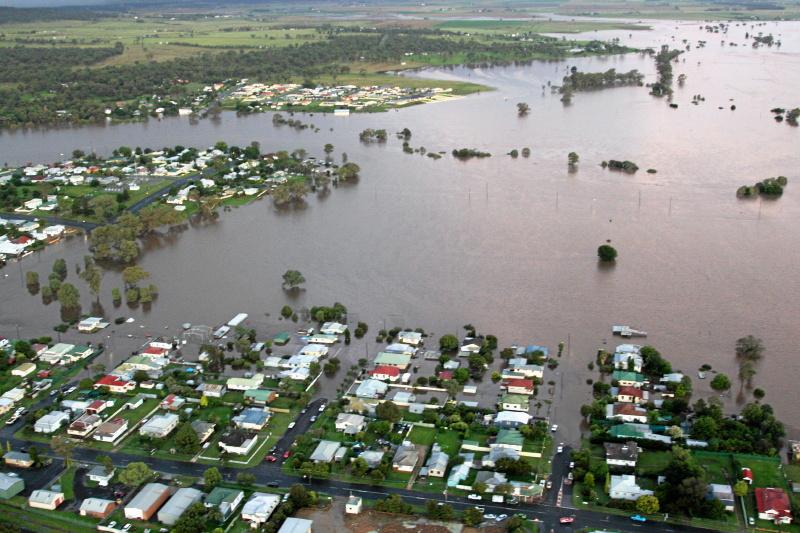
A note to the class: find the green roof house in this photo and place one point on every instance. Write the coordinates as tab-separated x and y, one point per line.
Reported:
281	338
226	500
397	360
629	379
514	402
260	396
509	438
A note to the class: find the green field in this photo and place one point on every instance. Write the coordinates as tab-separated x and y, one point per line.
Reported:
534	26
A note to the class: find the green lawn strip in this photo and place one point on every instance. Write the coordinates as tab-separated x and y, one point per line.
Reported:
16	511
422	435
67	482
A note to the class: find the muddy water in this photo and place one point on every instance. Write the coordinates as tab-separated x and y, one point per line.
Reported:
509	244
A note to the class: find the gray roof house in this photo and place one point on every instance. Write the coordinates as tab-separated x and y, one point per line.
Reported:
371	388
177	505
437	462
723	493
10	485
325	451
621	454
405	458
372	457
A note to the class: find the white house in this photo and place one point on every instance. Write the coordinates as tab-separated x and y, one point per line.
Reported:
159	426
51	422
259	507
349	423
624	487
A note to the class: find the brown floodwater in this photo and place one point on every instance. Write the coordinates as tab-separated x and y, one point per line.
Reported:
509	244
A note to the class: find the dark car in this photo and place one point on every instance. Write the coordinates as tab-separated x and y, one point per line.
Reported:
272	484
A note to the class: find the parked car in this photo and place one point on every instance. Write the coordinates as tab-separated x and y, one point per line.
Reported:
638	518
313	419
566	519
501	517
271	458
549	484
560	448
291	425
287	454
554	428
474	497
489	516
322	407
272	484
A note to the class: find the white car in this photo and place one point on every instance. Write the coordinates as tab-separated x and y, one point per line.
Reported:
474	497
571	465
501	517
554	428
291	425
321	407
127	527
559	449
489	516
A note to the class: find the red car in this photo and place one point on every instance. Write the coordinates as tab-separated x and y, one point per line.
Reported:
287	454
566	519
271	458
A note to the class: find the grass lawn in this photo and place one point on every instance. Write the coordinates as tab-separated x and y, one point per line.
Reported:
652	463
422	435
67	482
16	511
450	441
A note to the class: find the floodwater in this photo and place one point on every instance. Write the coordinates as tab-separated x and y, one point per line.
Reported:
509	244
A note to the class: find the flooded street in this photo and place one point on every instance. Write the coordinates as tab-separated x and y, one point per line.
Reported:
508	245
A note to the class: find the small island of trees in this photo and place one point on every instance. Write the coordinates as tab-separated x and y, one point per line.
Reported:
588	81
607	253
469	153
770	187
626	166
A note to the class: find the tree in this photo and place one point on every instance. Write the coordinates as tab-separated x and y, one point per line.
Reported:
747	371
299	496
245	478
134	474
740	488
389	411
448	343
606	253
292	279
60	268
647	504
360	467
286	311
721	382
439	511
523	109
211	477
92	275
479	487
749	348
759	394
572	159
328	148
106	462
69	296
104	206
348	171
196	518
63	446
186	439
589	480
31	279
33	451
132	275
472	517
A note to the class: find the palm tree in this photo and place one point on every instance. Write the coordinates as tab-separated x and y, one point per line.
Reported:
747	371
749	348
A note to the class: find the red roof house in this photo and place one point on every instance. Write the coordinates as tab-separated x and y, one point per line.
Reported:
152	351
384	372
747	475
446	374
518	386
630	394
115	384
773	504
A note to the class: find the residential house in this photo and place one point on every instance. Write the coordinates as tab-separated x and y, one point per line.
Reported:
97	507
56	353
626	412
115	384
10	485
172	402
371	389
632	430
470	346
51	422
508	438
91	324
511	419
15	395
399	347
100	475
299	361
518	386
84	424
325	451
243	384
224	499
24	369
405	458
203	429
98	406
259	507
111	430
397	360
252	418
372	457
147	501
296	525
296	374
629	360
723	493
747	475
624	487
159	426
630	395
180	501
621	454
385	373
45	499
349	423
628	379
774	505
321	338
332	328
514	402
404	397
437	462
260	396
675	377
212	390
18	459
238	442
5	405
314	350
412	338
